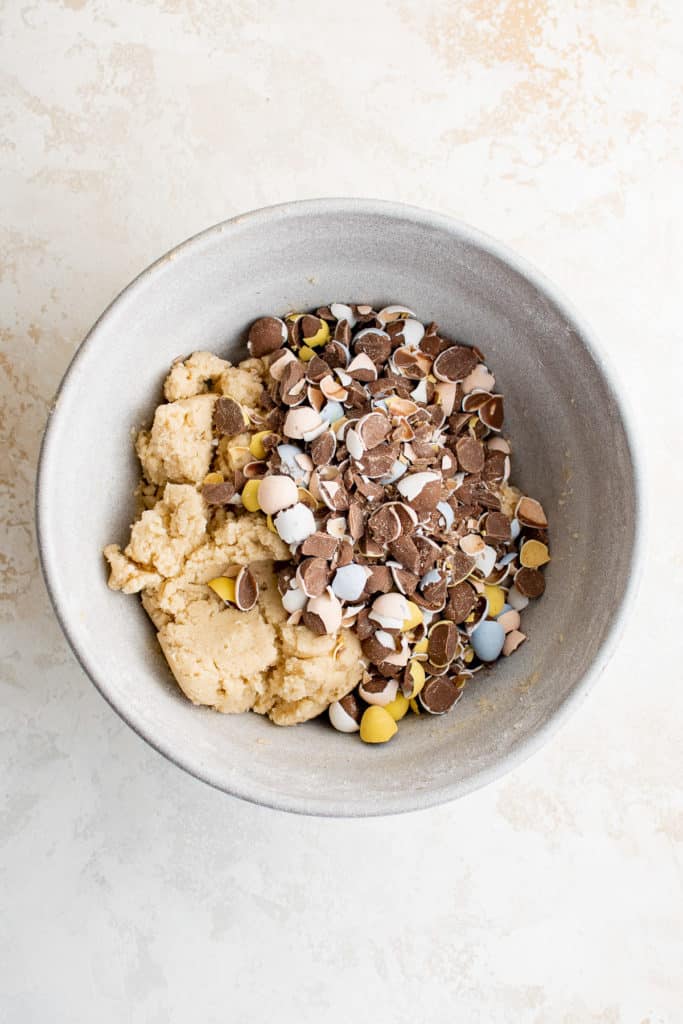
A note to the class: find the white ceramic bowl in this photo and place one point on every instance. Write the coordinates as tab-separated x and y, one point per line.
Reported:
572	450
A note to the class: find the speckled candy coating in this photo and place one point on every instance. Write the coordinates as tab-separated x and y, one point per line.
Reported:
572	451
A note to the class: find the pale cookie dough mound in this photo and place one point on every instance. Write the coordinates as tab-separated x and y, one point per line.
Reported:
193	375
244	383
219	655
232	454
179	446
312	672
160	540
238	540
126	575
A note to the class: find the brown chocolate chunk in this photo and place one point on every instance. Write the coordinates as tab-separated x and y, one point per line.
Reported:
352	707
428	551
377	462
364	627
434	593
342	333
530	582
335	353
323	448
292	384
218	494
454	363
494	469
374	651
374	345
314	623
385	525
471	455
309	326
228	418
491	413
497	527
439	694
461	600
379	581
404	551
374	429
315	575
443	643
319	545
246	590
316	369
356	520
405	581
265	336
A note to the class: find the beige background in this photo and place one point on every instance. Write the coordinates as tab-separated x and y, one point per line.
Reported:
132	892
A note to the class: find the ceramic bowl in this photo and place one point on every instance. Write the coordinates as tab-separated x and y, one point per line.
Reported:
572	450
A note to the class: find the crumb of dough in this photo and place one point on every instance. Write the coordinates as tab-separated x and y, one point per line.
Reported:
233	454
193	376
126	575
244	383
179	446
509	496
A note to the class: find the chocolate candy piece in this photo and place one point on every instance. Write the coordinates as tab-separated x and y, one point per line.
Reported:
246	590
530	582
345	714
228	417
218	494
266	335
439	694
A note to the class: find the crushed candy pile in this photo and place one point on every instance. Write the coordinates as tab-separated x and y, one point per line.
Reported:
377	457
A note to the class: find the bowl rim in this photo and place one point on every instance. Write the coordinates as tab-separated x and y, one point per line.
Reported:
525	747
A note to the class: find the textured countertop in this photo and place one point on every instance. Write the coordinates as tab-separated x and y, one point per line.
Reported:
130	891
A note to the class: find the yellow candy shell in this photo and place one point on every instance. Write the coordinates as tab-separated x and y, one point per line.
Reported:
256	444
250	495
224	586
377	725
533	554
496	599
398	707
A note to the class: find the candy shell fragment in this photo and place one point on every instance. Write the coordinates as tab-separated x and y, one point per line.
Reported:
250	495
224	587
533	554
345	714
487	640
377	725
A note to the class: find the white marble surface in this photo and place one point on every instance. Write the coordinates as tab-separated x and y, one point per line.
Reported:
131	892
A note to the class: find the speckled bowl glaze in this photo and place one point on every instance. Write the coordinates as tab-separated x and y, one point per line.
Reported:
572	450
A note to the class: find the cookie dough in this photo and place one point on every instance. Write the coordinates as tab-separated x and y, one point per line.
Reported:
230	660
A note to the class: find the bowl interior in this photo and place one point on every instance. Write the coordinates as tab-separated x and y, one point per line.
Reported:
570	450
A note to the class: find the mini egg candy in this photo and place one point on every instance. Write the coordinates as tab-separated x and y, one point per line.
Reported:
250	495
266	335
496	599
345	714
487	640
533	554
398	707
246	590
256	444
349	581
276	493
378	691
439	694
377	725
224	587
413	678
323	615
294	524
